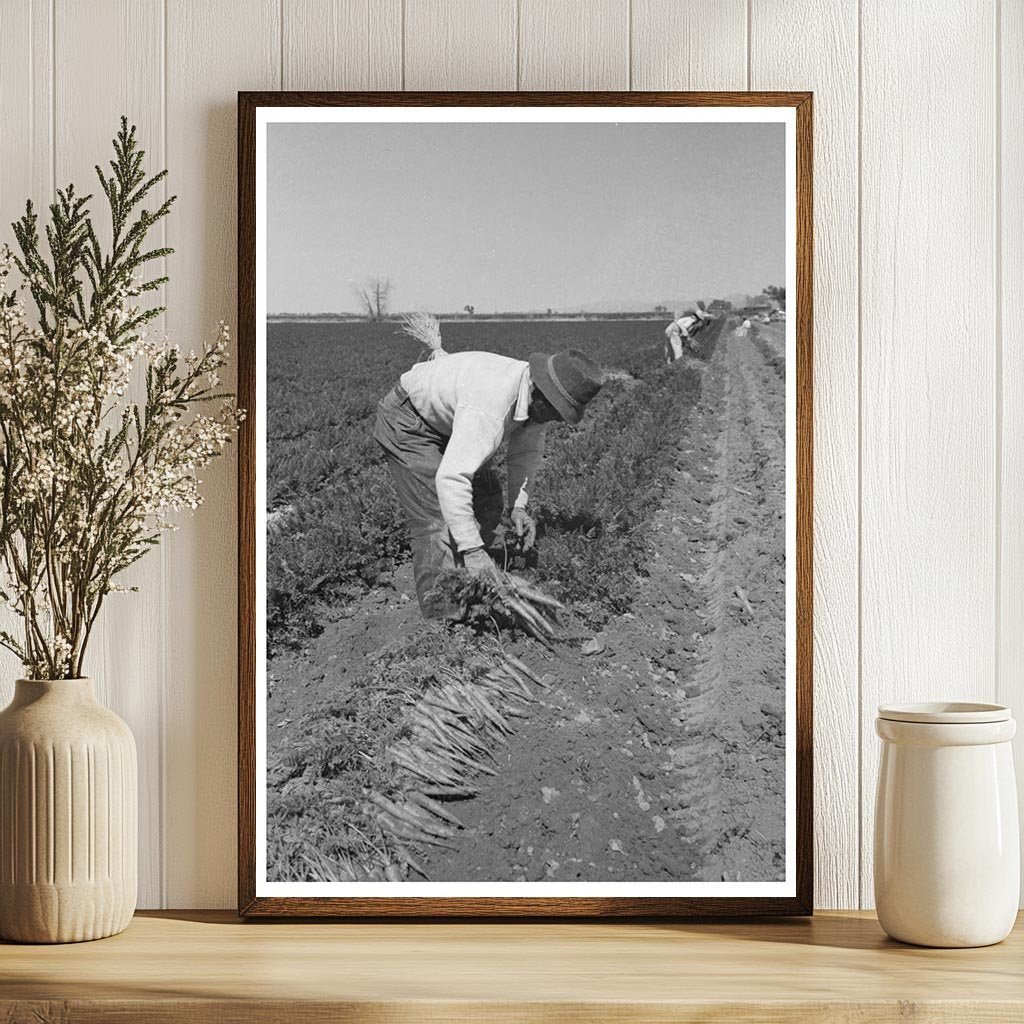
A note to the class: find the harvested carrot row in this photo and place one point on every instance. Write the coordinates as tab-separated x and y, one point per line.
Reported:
450	734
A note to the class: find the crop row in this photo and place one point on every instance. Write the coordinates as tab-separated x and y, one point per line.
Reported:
336	525
773	358
603	481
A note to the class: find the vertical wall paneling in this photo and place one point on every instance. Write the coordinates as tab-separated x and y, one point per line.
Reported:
26	105
919	487
213	51
126	656
26	168
690	44
830	70
573	44
1010	262
468	45
342	44
928	363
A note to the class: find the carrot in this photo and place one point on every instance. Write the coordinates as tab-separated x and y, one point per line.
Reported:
451	792
409	862
535	633
457	736
407	814
525	669
493	681
415	769
525	612
431	728
471	763
519	679
432	805
400	828
536	596
431	769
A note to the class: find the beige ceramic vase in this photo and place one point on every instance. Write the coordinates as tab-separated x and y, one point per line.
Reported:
68	815
946	834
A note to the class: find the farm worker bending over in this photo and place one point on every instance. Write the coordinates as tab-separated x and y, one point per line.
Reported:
684	326
440	429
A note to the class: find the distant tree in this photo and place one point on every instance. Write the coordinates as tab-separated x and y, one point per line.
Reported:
470	309
660	309
776	292
373	297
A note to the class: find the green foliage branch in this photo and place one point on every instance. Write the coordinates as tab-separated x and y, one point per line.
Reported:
89	476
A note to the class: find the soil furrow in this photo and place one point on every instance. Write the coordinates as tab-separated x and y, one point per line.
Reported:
734	726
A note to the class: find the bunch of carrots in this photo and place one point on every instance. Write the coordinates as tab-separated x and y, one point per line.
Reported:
473	599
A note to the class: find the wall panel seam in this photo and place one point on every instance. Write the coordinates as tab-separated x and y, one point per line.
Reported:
749	29
31	92
53	99
519	42
859	866
629	45
162	697
997	185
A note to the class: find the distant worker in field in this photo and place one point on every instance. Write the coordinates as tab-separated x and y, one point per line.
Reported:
440	428
682	331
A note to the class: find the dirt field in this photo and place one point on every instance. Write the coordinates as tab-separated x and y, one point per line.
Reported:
656	751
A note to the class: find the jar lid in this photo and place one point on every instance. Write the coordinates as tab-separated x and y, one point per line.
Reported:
945	713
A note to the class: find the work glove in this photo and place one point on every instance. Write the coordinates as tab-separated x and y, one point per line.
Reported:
481	565
526	528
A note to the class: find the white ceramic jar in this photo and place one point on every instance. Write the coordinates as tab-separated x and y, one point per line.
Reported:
947	845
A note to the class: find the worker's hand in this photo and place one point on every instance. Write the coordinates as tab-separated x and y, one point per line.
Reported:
481	565
526	528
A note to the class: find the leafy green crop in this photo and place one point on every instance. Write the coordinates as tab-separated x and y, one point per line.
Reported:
337	525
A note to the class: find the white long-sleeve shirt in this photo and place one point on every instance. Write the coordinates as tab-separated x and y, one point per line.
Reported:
683	324
477	399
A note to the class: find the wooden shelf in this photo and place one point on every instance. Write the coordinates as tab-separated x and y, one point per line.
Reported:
204	967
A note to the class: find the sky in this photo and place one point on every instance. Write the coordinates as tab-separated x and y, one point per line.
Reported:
518	217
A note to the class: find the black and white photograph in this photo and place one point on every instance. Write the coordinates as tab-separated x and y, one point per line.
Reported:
525	502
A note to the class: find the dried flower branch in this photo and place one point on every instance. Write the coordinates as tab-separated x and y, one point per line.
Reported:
88	477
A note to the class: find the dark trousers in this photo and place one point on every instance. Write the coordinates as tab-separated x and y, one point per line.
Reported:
413	450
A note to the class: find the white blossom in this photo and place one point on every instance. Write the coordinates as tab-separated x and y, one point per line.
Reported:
92	468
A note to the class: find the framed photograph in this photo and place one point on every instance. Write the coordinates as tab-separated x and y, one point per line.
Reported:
525	504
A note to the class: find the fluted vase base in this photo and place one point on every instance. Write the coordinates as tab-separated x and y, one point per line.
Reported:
68	815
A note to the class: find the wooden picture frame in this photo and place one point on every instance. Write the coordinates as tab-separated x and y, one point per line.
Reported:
253	903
